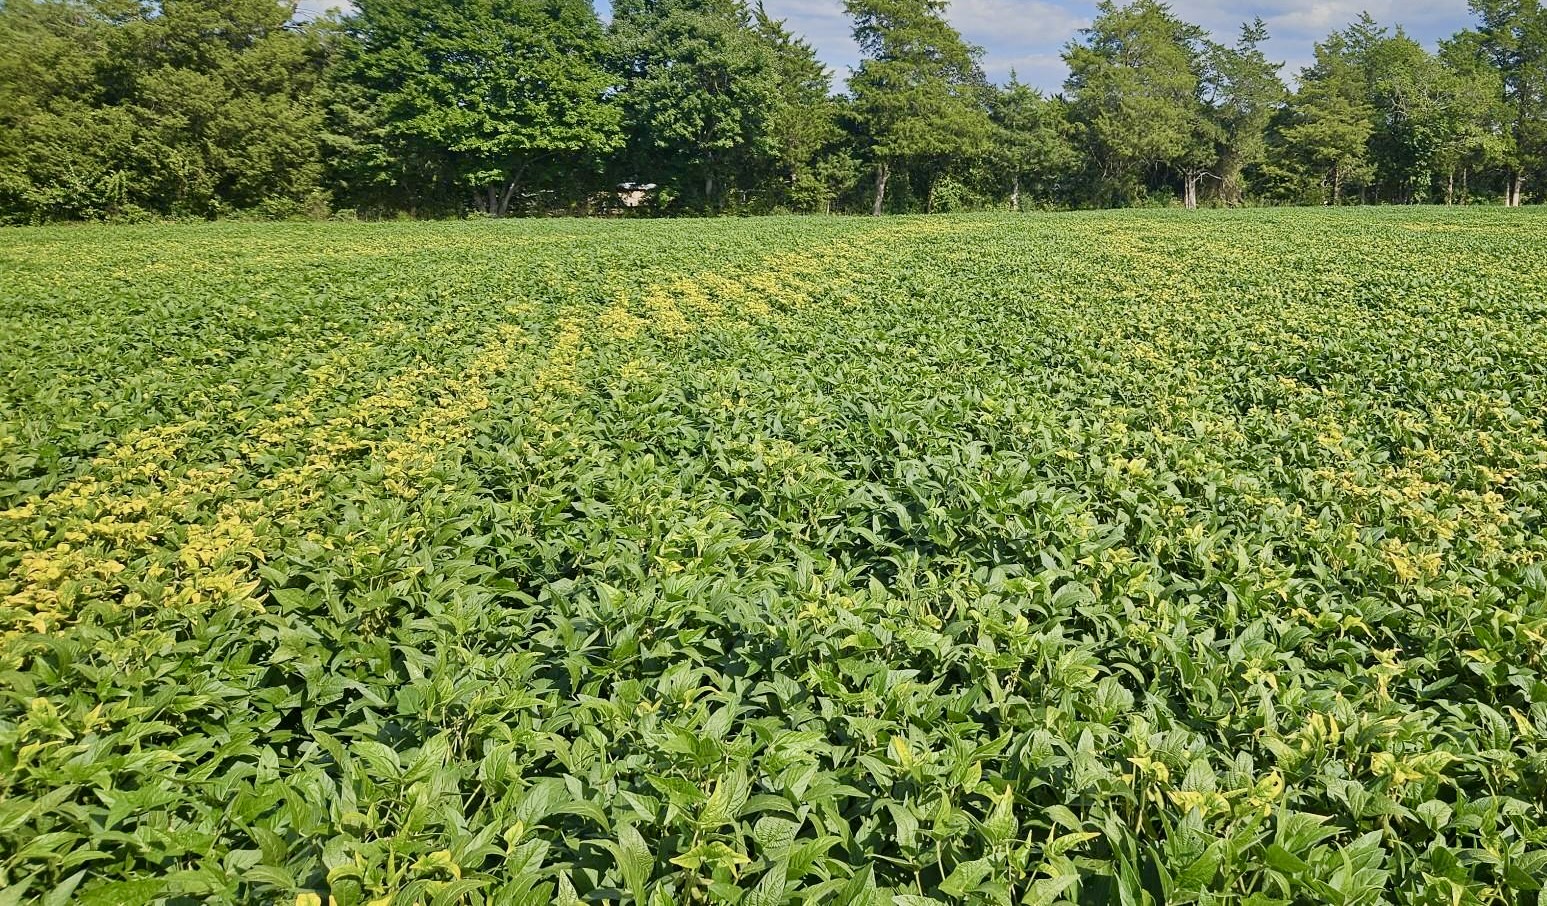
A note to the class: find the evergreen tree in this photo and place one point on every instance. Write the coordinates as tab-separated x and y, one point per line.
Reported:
1330	120
1031	141
1243	91
1135	83
918	93
803	125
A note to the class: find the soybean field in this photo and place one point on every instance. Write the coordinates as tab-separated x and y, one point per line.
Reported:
1132	558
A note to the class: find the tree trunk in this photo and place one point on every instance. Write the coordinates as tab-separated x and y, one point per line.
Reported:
1450	189
505	198
929	198
1337	186
1517	190
1190	189
1230	189
514	183
883	172
1015	195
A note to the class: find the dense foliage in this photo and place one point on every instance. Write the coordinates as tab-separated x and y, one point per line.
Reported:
200	109
127	109
1104	558
500	99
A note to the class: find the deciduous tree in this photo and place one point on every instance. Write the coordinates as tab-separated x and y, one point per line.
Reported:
487	93
699	88
1514	38
198	107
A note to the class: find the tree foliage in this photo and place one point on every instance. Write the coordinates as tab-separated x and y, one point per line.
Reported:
803	125
1243	91
1331	121
1032	146
121	109
700	90
479	97
918	92
1135	81
1514	39
188	107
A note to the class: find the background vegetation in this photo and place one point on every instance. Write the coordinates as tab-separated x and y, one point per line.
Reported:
202	108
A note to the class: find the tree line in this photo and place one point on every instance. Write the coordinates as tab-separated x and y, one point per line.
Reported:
118	109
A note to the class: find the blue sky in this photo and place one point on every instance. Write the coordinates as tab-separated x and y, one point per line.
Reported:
1027	35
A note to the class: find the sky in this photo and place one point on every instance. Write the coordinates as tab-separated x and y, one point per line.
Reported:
1027	36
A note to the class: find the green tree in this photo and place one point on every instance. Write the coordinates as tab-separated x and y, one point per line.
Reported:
1514	38
803	125
1135	81
64	150
919	92
1477	137
490	96
194	107
1330	120
1243	92
700	90
1031	141
1415	116
1432	115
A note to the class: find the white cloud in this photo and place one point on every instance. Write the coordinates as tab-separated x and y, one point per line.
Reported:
1024	35
310	8
1029	35
1297	25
